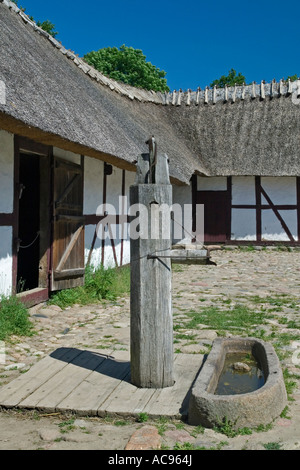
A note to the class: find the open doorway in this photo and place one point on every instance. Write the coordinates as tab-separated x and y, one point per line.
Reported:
29	223
32	229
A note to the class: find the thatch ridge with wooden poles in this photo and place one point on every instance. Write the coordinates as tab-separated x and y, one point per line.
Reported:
54	97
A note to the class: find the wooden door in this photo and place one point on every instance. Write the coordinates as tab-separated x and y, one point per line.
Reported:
215	215
68	226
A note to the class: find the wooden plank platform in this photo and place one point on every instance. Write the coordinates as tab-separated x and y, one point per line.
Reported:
97	383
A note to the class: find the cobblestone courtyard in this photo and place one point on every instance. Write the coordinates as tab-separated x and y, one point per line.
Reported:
261	286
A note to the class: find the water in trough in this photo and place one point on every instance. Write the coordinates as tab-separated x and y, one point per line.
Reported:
241	374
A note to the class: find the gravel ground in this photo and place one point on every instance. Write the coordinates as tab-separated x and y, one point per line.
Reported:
264	280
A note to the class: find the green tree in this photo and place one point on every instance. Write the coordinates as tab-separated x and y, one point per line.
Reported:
128	65
230	80
292	78
45	25
48	27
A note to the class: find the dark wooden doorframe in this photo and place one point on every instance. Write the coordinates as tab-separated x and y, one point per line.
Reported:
225	195
216	216
26	146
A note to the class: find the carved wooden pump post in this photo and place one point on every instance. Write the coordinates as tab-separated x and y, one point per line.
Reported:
151	299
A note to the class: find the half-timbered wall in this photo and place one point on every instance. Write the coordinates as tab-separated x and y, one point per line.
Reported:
260	209
243	208
280	217
6	210
102	183
93	197
237	209
182	196
113	243
66	155
5	260
103	186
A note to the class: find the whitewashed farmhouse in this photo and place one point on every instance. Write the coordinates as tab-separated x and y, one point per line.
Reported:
69	140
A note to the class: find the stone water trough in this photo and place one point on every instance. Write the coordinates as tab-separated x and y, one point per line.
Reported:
252	409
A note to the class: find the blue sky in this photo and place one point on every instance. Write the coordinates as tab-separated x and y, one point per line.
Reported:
195	42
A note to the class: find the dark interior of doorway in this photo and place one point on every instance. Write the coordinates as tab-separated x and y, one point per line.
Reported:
29	223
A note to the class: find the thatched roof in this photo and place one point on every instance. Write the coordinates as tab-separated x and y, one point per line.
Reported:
247	137
53	96
51	99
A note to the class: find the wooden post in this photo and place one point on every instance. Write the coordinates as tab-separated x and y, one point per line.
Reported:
151	328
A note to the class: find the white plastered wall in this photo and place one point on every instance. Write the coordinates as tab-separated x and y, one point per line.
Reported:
93	185
281	190
243	221
66	155
129	181
92	198
113	192
93	204
243	224
119	206
272	228
182	209
5	261
6	171
6	207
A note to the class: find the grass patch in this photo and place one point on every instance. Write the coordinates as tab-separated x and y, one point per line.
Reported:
239	317
227	427
185	336
100	284
187	446
142	417
14	318
272	446
121	422
67	426
280	300
162	425
290	384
